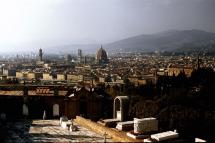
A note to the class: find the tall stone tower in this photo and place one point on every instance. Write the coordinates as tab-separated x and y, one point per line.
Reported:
40	54
79	55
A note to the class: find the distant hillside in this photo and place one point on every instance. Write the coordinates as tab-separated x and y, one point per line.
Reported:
174	40
168	41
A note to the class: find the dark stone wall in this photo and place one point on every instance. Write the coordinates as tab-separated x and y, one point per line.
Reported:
12	106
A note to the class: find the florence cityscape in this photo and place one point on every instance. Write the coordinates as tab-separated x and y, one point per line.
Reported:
107	71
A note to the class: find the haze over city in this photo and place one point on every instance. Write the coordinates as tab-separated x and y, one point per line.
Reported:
31	24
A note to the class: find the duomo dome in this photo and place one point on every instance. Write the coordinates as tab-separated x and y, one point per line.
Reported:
101	56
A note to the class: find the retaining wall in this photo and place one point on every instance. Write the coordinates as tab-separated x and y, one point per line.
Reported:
116	136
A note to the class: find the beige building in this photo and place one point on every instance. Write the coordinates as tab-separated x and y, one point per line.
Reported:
3	77
73	77
29	75
177	70
34	75
47	76
61	77
119	81
19	75
101	79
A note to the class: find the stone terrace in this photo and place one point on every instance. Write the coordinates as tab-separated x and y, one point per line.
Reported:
47	131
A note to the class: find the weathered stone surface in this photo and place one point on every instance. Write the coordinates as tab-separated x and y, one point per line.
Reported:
47	131
56	110
63	118
164	136
145	125
119	115
125	126
136	136
98	128
197	140
65	124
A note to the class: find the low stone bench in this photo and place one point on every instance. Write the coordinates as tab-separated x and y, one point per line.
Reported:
109	122
164	136
136	136
125	126
199	140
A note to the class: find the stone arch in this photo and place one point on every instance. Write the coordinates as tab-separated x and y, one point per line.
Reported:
120	107
56	110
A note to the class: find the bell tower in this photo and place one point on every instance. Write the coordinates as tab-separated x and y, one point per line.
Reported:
40	54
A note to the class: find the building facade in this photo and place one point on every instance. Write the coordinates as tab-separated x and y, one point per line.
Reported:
32	101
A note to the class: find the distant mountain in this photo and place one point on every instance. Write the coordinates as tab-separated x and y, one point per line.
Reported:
167	41
173	40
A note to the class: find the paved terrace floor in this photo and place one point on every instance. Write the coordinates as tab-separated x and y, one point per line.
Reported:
46	131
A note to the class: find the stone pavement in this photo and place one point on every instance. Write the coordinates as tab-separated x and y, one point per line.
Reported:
15	131
48	131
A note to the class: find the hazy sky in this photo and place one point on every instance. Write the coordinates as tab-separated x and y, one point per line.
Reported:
98	21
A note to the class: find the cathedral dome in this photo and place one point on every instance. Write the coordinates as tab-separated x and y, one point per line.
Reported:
101	56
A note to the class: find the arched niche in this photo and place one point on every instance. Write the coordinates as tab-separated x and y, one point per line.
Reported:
25	110
56	110
120	107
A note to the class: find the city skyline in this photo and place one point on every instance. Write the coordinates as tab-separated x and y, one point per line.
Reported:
107	70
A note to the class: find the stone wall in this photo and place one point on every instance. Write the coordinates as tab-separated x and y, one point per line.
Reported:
116	136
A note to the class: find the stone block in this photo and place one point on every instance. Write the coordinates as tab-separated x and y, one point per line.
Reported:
119	115
73	128
125	126
63	118
199	140
145	125
135	136
164	136
65	124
